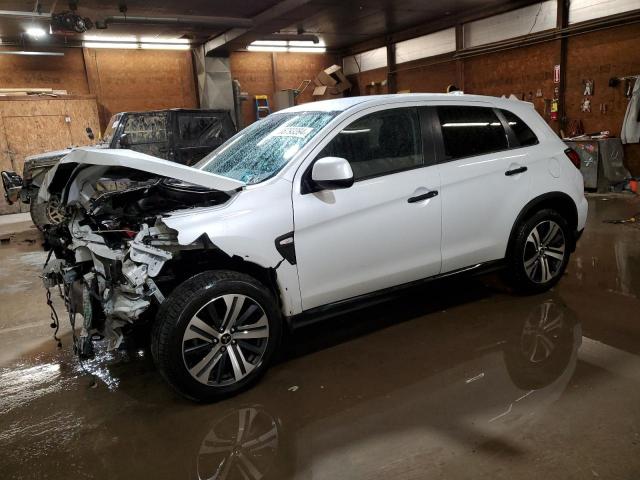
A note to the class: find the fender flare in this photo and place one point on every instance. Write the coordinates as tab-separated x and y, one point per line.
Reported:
546	199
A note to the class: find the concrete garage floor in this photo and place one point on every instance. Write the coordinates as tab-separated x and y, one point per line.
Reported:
431	385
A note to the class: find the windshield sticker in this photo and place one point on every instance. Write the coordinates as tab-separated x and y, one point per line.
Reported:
296	132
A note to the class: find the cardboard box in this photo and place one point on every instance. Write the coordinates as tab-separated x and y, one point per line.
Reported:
319	91
331	81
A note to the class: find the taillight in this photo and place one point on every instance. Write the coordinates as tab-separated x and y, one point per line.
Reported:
573	156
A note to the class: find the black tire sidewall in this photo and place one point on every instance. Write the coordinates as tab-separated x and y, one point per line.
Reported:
516	268
178	309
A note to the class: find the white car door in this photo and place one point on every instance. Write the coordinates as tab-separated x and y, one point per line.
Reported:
382	231
484	183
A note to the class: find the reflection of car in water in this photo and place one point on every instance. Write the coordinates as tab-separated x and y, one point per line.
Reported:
516	367
179	135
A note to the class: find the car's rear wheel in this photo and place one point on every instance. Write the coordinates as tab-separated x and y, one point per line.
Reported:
216	334
539	252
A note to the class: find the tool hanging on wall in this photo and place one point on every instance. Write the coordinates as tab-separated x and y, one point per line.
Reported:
628	83
588	88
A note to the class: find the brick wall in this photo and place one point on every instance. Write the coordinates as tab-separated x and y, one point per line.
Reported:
599	56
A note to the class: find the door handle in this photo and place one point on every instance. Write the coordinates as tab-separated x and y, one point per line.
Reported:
424	196
515	171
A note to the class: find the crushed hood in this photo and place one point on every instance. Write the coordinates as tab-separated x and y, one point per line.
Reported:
147	163
47	155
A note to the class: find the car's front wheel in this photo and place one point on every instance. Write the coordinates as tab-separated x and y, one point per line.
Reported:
539	252
216	334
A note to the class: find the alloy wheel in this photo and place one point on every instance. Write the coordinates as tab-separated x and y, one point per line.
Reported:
55	212
541	332
225	340
243	444
544	252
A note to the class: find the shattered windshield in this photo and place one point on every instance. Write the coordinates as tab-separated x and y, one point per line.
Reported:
262	149
112	126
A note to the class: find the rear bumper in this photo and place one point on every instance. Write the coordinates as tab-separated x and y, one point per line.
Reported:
583	210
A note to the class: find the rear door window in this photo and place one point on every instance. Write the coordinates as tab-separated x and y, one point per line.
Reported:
380	143
147	133
468	131
523	133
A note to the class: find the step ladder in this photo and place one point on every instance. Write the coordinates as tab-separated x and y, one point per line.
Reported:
262	106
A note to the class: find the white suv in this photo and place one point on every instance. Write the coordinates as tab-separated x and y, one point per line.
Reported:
311	211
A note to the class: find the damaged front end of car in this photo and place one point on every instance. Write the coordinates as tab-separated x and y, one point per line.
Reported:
113	253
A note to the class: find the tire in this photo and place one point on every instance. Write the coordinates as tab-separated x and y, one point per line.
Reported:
45	213
195	340
536	263
38	213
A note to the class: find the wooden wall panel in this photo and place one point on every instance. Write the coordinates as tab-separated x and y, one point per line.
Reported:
59	73
254	71
31	125
599	56
130	80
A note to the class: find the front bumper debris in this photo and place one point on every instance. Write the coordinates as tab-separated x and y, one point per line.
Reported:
110	287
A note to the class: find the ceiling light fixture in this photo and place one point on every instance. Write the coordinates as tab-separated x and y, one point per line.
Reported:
35	32
23	52
133	42
110	45
293	46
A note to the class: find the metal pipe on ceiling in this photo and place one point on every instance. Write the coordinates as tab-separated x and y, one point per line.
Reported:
302	37
183	20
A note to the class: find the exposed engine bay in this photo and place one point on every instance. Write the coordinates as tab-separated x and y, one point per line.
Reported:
113	253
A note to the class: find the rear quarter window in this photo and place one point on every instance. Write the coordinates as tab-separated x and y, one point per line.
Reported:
523	133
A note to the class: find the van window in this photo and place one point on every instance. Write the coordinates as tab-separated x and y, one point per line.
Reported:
379	143
521	130
469	131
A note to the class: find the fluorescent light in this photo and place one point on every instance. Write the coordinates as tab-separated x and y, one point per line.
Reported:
180	41
253	48
294	46
164	46
109	45
110	38
135	45
279	43
22	52
305	43
307	49
35	32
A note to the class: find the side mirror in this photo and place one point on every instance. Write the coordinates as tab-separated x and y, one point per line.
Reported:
90	133
332	173
124	140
